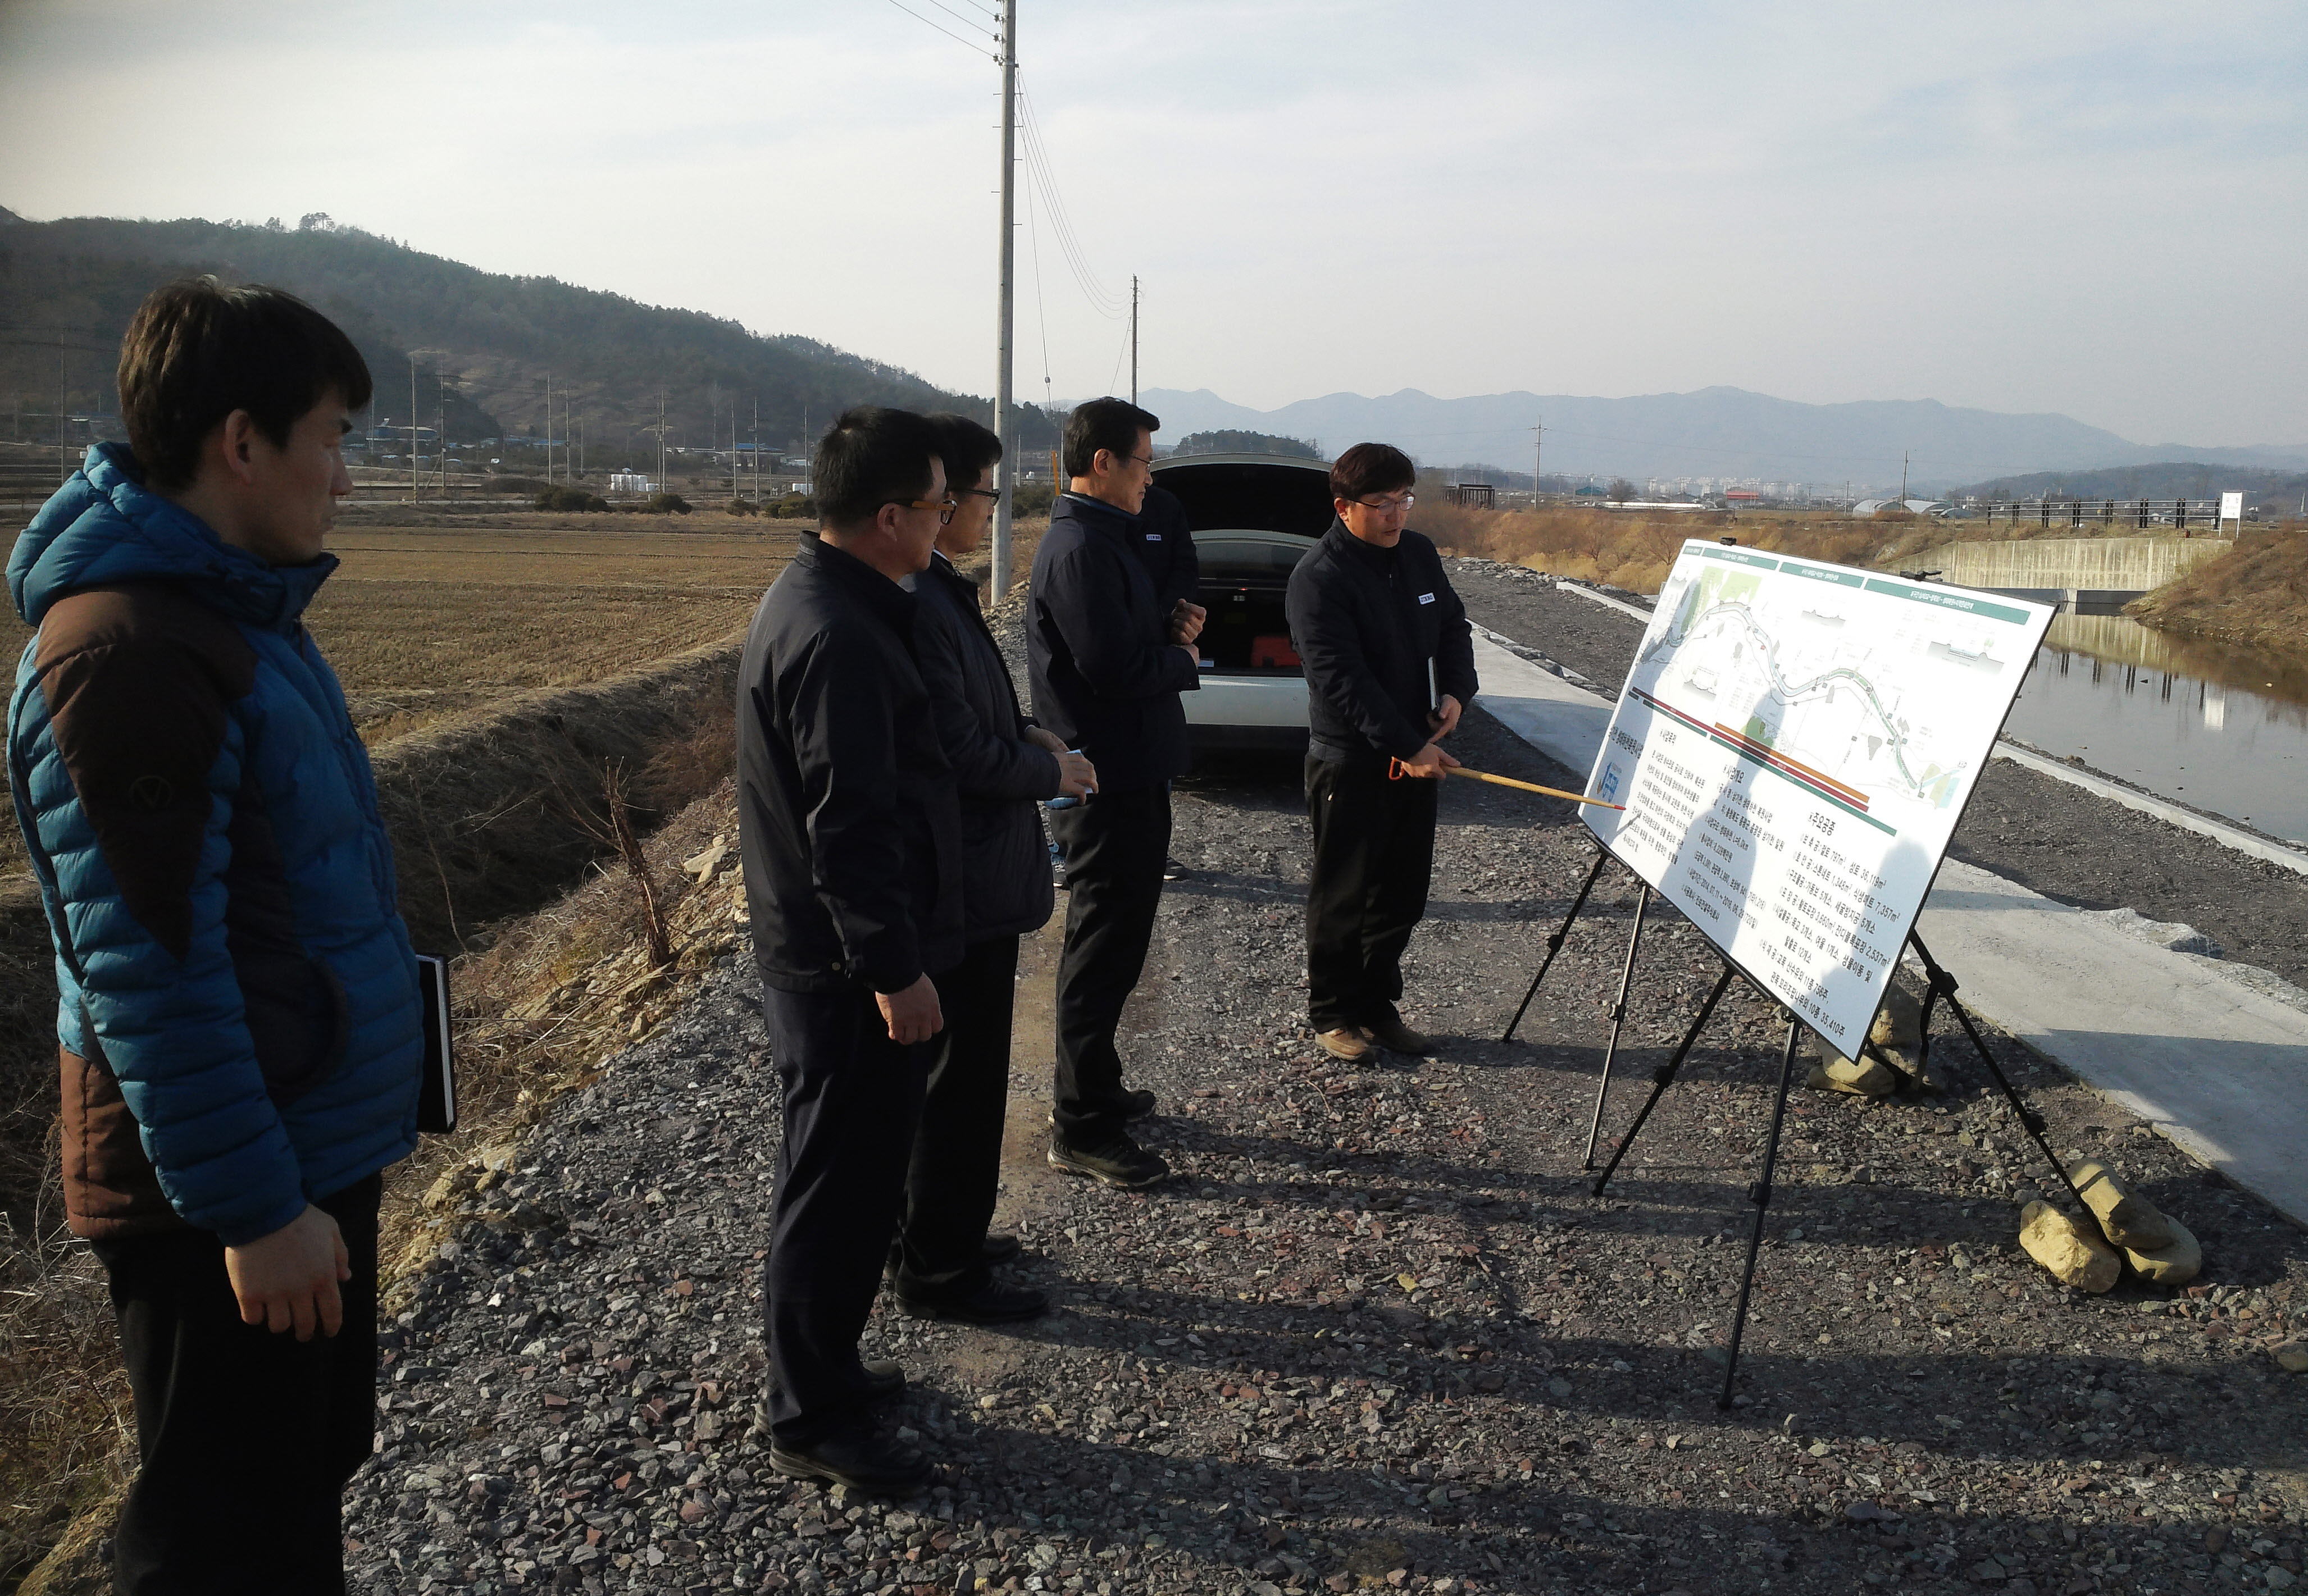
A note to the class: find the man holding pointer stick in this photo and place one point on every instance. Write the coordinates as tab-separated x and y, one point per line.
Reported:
1389	663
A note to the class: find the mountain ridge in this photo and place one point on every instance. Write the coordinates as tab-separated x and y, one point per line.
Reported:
1720	431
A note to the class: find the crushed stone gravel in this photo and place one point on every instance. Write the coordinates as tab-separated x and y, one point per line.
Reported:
1375	1334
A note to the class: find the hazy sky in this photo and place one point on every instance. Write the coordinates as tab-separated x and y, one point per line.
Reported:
2099	209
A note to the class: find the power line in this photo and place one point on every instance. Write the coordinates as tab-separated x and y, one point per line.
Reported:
1038	164
949	33
968	21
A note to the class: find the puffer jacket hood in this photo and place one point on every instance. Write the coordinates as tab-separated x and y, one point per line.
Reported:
104	527
239	1012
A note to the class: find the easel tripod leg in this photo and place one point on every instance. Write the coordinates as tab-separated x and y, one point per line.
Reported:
1664	1076
1618	1024
1760	1194
1554	942
1942	985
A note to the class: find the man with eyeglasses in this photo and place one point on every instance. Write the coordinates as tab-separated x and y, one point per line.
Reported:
943	1266
852	844
1389	663
1109	660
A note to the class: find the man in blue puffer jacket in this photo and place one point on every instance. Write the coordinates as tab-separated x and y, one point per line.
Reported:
239	1019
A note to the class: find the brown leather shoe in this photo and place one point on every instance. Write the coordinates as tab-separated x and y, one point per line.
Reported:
1398	1038
1347	1042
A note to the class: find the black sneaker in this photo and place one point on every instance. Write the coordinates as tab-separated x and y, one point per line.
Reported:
992	1303
855	1456
1137	1105
1120	1162
997	1248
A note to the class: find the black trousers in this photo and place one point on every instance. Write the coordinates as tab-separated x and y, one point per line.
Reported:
852	1100
1115	844
245	1437
1373	858
957	1165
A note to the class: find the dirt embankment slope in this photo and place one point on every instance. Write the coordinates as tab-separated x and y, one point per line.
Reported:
2255	595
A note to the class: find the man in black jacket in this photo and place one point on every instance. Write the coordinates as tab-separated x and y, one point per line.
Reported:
1389	663
1109	660
852	847
1001	764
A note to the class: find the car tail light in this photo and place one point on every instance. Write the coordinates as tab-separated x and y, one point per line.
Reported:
1272	653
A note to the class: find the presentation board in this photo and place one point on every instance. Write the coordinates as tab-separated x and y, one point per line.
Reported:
1795	744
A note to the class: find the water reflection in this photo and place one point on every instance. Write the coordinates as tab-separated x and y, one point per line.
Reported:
2222	729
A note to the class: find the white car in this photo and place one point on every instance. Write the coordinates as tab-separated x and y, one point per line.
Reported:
1252	516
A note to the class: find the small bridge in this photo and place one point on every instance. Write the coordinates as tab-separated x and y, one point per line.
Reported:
2080	575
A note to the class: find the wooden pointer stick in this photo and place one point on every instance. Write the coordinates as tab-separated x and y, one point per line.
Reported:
1395	772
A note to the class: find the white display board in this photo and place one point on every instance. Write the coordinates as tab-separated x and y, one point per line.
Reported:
1793	745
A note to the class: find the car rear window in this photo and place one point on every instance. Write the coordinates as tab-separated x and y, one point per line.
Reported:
1218	556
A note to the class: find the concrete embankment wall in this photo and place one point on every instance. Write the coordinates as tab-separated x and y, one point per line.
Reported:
2116	564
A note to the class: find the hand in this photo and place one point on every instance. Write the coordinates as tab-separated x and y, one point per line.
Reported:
1077	776
1186	622
1444	721
290	1277
1044	738
913	1014
1429	762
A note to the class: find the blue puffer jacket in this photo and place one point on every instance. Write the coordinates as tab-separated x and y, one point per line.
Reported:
239	1016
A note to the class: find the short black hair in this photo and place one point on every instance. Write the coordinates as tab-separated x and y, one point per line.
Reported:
870	456
196	351
967	447
1109	423
1370	469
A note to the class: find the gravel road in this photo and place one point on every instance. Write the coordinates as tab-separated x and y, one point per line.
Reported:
1375	1334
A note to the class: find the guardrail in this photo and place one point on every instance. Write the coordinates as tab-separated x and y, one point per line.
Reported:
2176	513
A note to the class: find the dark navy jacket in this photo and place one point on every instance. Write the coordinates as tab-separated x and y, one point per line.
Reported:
1005	866
1365	621
239	1015
1105	676
1165	547
845	801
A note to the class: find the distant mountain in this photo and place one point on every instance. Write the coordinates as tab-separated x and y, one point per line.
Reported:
1713	432
68	288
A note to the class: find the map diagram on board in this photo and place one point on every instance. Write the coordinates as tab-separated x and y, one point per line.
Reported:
1795	744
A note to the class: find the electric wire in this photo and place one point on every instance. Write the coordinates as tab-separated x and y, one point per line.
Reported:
949	32
1041	317
1104	301
968	21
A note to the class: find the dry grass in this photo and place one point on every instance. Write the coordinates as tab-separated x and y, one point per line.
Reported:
2256	593
1633	550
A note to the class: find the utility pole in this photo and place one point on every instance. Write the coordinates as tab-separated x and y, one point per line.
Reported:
548	426
1537	443
660	441
1133	338
1903	479
1005	470
757	451
413	489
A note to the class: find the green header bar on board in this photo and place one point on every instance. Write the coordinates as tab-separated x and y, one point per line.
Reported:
1716	551
1826	573
1952	598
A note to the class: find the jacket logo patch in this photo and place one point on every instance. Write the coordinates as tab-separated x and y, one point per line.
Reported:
1153	538
1426	598
152	793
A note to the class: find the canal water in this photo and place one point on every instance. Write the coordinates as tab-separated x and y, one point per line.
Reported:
2213	726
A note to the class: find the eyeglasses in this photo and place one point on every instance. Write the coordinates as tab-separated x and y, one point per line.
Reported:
1146	460
1405	502
993	494
945	507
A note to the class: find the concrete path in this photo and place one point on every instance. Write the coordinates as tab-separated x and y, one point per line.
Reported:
2217	1064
